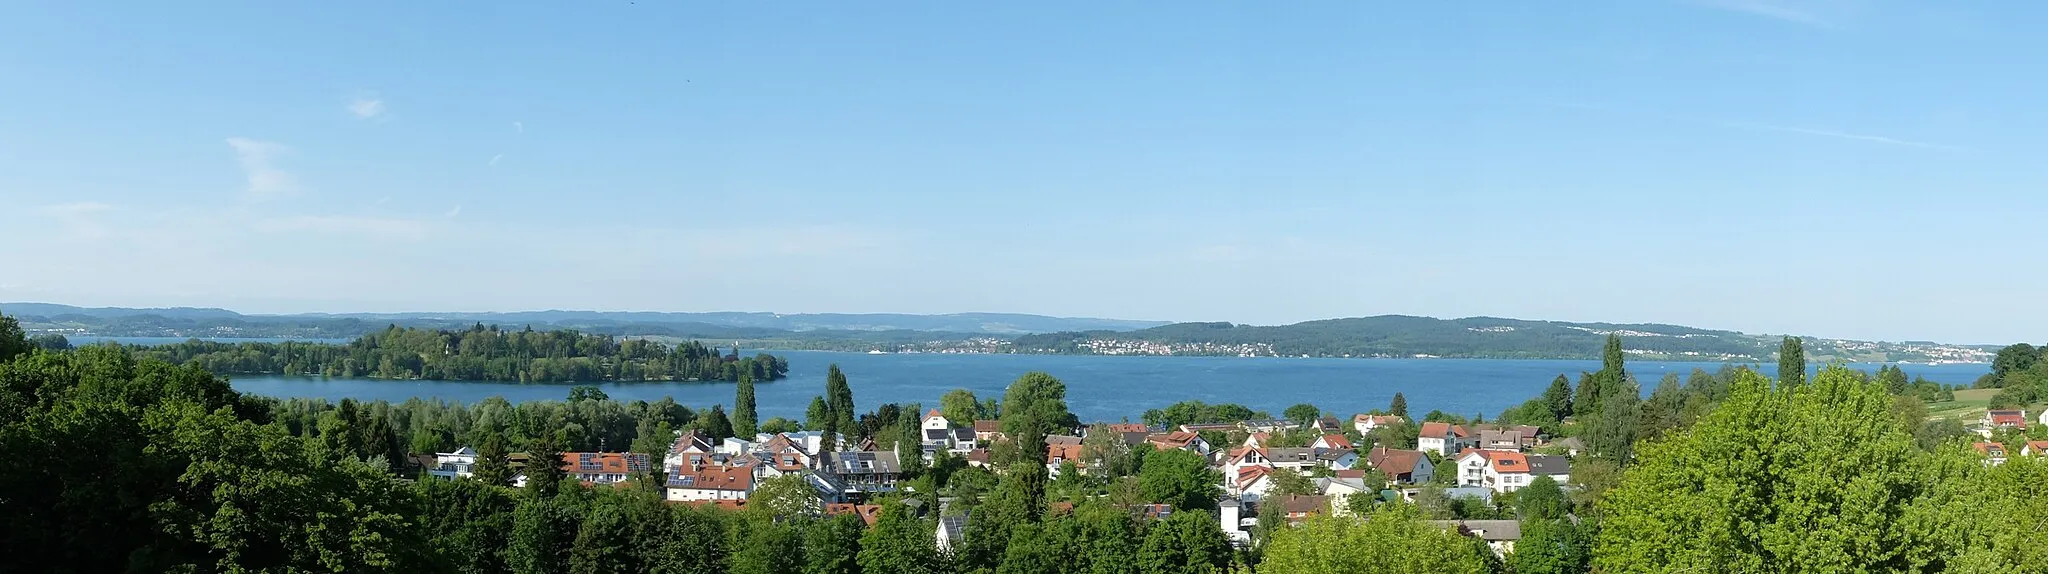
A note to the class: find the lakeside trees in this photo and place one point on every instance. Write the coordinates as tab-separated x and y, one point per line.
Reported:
480	353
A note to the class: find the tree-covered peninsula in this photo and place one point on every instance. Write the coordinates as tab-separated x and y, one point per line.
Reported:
480	353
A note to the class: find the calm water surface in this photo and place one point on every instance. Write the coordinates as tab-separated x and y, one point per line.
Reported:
1098	387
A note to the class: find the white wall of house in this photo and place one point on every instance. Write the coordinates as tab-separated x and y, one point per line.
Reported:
1431	444
680	494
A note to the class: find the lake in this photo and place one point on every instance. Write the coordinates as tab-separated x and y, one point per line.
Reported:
1099	388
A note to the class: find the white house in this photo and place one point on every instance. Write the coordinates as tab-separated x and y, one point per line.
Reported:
710	483
1340	491
1401	466
1332	442
453	465
1444	439
1505	472
938	434
1252	483
603	467
1179	440
1367	423
1500	535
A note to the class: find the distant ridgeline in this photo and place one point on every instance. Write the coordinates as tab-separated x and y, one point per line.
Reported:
477	354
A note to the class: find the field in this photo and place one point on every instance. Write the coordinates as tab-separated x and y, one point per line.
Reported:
1969	405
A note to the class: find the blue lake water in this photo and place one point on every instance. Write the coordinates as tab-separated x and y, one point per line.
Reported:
1099	388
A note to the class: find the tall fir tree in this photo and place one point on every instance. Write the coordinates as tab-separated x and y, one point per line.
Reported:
1559	398
1400	406
839	403
745	421
1611	357
491	465
1791	362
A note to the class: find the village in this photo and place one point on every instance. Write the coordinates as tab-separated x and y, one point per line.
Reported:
1477	462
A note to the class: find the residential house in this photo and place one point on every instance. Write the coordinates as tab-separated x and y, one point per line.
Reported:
1500	440
1295	459
603	467
1326	424
1332	441
1558	468
687	444
453	465
1127	428
1573	446
1294	507
1994	453
1056	454
1179	440
1505	471
868	513
1062	440
2034	448
1500	535
988	431
1336	459
688	484
1266	425
951	529
1444	439
1367	423
1340	490
861	472
1995	420
1251	483
1532	435
939	434
1256	440
1401	466
1230	516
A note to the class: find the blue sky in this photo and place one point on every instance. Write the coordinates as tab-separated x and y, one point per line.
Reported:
1839	168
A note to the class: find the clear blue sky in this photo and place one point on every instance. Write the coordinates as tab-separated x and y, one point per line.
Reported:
1831	168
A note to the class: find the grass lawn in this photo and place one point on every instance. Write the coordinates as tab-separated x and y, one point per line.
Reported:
1969	405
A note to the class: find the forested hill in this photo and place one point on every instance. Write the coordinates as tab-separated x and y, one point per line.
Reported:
479	353
1471	337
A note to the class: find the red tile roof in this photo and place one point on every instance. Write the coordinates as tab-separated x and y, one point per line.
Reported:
603	462
1059	452
868	513
714	478
1394	462
1990	448
1250	474
2008	418
1172	440
985	426
1337	441
1128	427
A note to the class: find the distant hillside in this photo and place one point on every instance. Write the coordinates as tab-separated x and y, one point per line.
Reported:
188	322
1477	337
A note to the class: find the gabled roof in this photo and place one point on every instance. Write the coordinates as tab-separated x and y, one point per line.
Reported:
1061	439
2007	418
868	513
1170	440
1063	452
1503	462
953	526
1290	454
604	462
1394	462
1128	427
737	478
1437	430
1549	465
1991	449
1297	504
1377	420
987	425
691	441
1488	530
1337	441
934	414
2036	447
1249	475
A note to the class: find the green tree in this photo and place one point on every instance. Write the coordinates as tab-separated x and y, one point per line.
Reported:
1613	433
1048	548
839	403
1550	547
1180	478
1542	499
1288	482
544	465
1791	362
493	466
13	342
1559	398
765	546
1801	478
602	543
543	534
818	416
1612	357
1018	500
785	497
715	425
1188	542
831	546
2010	359
1302	413
1035	406
960	406
744	416
899	543
1393	540
1399	407
586	393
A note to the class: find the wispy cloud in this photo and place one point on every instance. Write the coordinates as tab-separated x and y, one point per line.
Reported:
259	165
1808	12
495	158
367	107
1876	139
519	126
78	218
453	212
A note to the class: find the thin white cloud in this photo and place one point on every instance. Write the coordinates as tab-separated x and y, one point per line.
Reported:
368	227
366	107
495	158
78	218
453	212
259	165
519	126
1807	12
1867	138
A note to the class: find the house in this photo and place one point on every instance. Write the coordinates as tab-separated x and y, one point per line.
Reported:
1501	440
1558	468
1994	453
603	467
978	458
861	472
1401	466
686	484
1443	439
1127	428
1230	516
1336	459
1295	459
1252	483
689	443
1256	440
868	513
1061	453
2034	448
1179	440
1266	425
1573	446
2044	416
1500	535
988	431
939	434
1340	490
950	530
1332	441
1326	424
1367	423
1294	507
453	465
1504	472
2001	419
